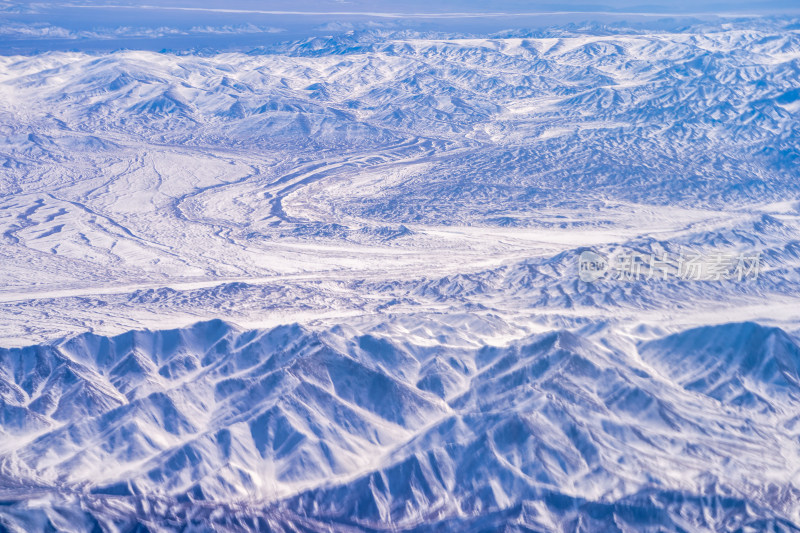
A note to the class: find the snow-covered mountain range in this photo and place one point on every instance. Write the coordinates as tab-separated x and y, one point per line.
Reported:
411	424
331	284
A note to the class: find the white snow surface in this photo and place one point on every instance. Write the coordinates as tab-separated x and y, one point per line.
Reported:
332	284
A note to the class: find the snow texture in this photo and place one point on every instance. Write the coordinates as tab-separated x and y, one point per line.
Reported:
319	272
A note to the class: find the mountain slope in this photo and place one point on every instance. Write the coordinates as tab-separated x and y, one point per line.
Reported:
339	426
